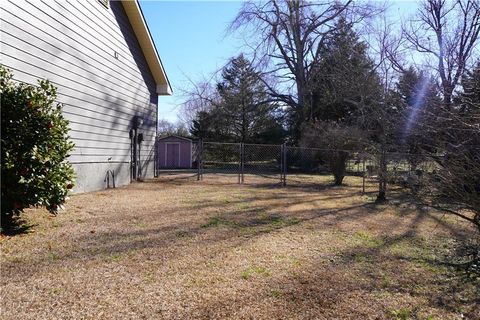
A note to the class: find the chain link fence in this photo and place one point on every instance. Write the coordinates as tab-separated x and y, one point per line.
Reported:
284	165
222	160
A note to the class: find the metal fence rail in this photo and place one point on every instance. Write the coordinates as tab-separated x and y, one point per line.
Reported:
282	165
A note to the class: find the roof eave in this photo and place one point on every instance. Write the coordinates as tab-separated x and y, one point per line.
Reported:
164	90
142	33
174	136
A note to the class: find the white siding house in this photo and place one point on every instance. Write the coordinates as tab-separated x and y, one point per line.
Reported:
101	57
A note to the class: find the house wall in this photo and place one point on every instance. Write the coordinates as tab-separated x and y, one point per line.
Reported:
185	152
90	53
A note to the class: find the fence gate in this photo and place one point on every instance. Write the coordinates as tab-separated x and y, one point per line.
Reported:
220	160
262	163
241	162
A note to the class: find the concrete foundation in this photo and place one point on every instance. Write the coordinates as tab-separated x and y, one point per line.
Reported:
93	176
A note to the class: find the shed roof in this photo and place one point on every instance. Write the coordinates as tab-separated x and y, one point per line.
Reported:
140	28
175	136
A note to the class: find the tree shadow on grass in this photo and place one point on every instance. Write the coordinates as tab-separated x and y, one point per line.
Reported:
384	266
237	226
405	247
16	226
302	186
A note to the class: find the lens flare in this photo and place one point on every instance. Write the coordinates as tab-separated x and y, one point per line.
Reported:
418	103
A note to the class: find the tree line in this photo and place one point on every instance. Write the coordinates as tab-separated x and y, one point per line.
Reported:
340	75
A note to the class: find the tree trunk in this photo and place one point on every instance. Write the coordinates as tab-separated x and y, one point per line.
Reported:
338	166
382	177
381	197
338	180
476	220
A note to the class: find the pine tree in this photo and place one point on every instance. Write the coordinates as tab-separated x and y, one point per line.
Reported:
417	104
344	81
344	86
243	113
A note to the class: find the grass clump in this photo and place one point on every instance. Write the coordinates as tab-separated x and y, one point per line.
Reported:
139	224
251	271
368	239
401	314
115	257
181	234
276	293
217	222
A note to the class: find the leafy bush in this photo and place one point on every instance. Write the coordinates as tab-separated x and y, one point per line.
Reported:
35	144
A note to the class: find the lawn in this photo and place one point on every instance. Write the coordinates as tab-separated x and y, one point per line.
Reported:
184	249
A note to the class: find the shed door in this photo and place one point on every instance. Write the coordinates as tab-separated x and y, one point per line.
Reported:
173	155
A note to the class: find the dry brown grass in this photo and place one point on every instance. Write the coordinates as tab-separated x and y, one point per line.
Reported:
182	249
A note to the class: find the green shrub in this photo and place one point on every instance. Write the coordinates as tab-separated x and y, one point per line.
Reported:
35	145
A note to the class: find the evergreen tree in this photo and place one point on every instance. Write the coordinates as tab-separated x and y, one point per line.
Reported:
344	89
470	97
417	103
242	113
211	125
345	80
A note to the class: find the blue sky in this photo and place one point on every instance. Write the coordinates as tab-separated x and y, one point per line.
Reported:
192	42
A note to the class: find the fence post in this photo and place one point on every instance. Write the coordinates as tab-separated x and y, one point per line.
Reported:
155	159
200	160
242	162
202	170
285	152
239	163
363	177
281	164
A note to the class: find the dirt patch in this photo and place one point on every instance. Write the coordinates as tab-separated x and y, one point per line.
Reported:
182	249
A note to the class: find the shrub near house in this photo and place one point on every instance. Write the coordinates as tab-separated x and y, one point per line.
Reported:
35	144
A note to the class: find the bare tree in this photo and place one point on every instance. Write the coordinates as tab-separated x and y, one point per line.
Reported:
289	36
457	180
448	33
201	96
380	117
166	128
